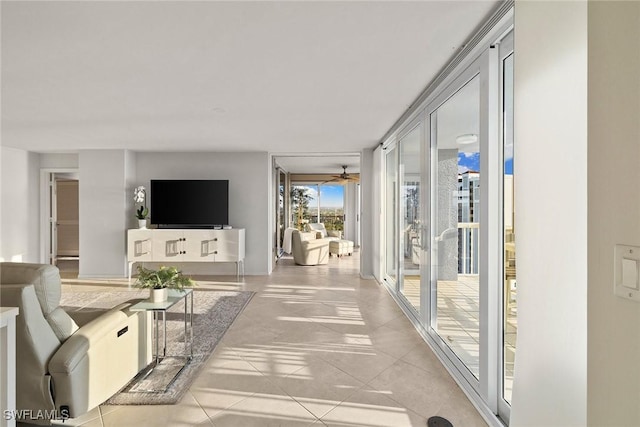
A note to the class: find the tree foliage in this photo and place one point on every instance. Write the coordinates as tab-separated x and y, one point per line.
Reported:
300	199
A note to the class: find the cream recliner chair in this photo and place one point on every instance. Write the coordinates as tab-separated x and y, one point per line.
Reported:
307	250
319	227
62	365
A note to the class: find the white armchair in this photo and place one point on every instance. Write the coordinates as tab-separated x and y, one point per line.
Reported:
319	227
61	365
307	250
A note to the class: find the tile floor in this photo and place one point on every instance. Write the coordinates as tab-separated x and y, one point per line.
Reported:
458	321
316	346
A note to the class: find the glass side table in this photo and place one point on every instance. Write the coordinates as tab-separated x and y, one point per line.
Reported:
161	308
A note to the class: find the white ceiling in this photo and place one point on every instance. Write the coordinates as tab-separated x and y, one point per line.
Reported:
319	164
292	77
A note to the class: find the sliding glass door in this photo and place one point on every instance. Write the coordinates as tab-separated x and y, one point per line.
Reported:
409	177
449	227
455	223
390	214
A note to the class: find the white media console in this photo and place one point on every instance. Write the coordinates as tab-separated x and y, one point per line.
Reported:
190	245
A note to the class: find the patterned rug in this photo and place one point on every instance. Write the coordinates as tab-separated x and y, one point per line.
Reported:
213	314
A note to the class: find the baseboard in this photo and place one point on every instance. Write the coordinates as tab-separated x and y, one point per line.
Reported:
101	276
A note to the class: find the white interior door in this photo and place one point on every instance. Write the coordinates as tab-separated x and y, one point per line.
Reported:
52	220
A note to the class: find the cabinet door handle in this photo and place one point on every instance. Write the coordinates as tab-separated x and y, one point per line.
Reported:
215	252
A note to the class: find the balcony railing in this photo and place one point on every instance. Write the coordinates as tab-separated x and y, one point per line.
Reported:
459	244
330	221
468	244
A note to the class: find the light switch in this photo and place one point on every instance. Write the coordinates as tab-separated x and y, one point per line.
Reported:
630	273
626	272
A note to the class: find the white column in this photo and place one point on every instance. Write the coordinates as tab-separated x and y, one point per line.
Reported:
550	83
368	217
106	211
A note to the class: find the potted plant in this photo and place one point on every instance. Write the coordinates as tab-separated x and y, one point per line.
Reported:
159	281
140	196
141	214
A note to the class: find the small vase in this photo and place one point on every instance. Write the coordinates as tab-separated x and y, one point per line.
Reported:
159	295
142	224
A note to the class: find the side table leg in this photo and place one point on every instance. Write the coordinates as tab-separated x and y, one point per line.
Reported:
164	333
155	316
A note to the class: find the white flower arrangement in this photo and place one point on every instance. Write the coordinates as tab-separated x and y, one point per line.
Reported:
140	196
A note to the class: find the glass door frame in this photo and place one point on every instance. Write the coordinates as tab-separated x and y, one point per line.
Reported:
505	48
477	68
416	123
487	66
387	150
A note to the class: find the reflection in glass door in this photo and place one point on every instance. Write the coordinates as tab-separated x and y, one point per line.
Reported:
280	212
391	242
410	225
455	223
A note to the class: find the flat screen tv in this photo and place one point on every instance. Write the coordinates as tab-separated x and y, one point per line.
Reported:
189	203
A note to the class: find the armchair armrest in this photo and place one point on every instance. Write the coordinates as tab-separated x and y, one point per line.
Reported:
71	352
314	244
334	233
100	358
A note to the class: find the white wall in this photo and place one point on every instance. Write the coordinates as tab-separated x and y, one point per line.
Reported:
350	212
103	213
614	210
130	182
107	179
249	194
367	190
58	160
20	205
550	385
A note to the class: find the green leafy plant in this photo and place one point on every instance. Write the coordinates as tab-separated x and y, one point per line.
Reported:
300	199
165	277
142	212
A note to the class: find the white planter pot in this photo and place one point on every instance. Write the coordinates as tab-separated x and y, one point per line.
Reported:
159	295
142	223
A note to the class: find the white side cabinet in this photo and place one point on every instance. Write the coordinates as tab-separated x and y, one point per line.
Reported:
8	365
157	245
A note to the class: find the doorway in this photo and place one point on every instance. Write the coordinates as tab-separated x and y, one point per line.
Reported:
60	219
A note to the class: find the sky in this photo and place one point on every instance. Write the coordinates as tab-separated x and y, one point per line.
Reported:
331	196
471	161
468	161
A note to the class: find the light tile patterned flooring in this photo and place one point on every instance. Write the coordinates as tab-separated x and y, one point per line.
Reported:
458	321
316	346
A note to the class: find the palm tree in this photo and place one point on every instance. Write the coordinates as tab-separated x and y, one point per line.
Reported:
300	199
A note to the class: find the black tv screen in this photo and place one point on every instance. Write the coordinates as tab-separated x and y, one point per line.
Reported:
189	203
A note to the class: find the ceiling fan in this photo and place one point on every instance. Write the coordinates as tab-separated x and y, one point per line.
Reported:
344	177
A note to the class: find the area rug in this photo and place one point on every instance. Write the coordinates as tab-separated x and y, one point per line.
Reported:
213	314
